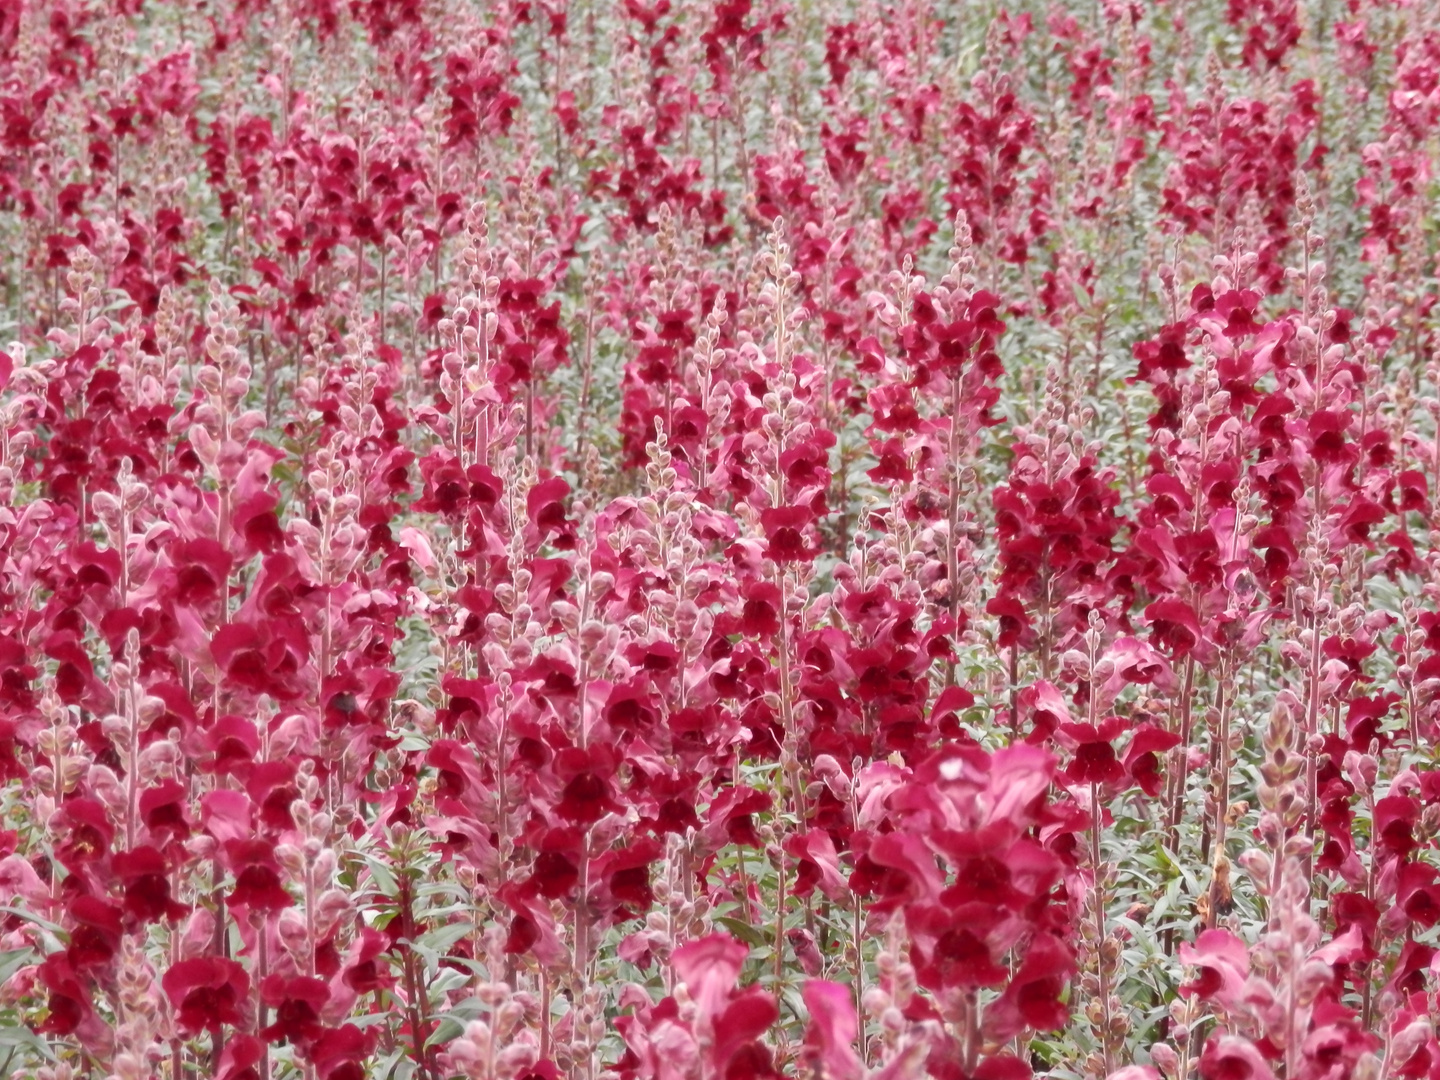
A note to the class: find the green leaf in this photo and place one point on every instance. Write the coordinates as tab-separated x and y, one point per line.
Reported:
443	937
446	980
743	931
382	876
29	916
452	1024
370	1019
791	999
23	1037
477	966
396	1066
12	960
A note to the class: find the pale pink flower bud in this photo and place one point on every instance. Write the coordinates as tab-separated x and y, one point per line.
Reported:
1165	1057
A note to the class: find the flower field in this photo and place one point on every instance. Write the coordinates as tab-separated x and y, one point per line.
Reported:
675	540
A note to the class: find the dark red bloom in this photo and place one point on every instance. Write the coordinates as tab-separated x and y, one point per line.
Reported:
732	811
1395	819
271	787
1094	761
1417	893
1229	1057
1015	628
241	1058
364	973
257	876
263	657
1142	756
207	993
626	873
145	877
69	1004
95	938
297	1003
760	616
556	871
1223	963
587	795
235	744
631	706
746	1018
965	960
545	506
1032	999
1174	626
785	530
339	1052
88	832
162	808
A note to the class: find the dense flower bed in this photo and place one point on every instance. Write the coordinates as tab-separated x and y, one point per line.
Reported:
708	541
